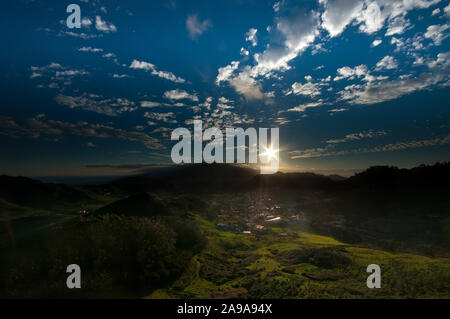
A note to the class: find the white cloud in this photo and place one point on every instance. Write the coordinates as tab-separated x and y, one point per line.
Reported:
306	89
303	107
371	18
371	15
297	30
244	52
436	12
358	136
247	86
336	110
150	104
398	25
86	22
350	73
319	67
386	63
251	36
442	62
330	149
338	14
39	125
120	76
90	49
196	27
152	68
97	104
225	73
104	26
447	10
55	72
109	55
436	33
377	92
376	43
178	94
164	117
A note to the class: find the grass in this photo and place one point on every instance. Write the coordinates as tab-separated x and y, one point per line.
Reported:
267	276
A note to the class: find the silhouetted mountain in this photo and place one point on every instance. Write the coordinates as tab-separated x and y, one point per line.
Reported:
185	178
29	192
390	177
207	178
336	178
293	180
140	183
143	204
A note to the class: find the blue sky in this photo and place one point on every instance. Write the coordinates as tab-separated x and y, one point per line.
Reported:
349	83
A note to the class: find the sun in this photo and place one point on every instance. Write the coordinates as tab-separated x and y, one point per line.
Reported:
269	153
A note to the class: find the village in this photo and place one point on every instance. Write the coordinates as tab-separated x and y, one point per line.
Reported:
256	213
259	213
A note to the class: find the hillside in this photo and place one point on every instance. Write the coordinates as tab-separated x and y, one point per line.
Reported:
32	193
143	204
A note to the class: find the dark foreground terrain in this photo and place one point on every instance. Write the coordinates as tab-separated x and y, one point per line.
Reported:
221	231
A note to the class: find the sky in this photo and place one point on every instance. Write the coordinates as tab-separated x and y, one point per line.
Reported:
349	83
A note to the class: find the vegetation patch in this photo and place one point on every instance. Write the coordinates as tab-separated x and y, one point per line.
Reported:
322	257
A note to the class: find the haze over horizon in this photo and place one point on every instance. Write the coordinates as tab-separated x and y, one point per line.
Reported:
350	84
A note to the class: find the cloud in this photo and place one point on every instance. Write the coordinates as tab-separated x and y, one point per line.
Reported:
120	76
442	61
336	110
370	15
97	104
303	107
150	104
225	73
330	149
377	92
306	89
90	49
104	26
376	43
338	14
196	27
37	126
251	36
142	65
358	136
109	55
296	29
387	63
436	12
224	103
55	72
244	52
351	73
247	86
178	94
164	117
436	33
86	22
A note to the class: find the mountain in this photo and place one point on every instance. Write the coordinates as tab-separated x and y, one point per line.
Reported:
32	193
189	178
143	204
293	180
424	176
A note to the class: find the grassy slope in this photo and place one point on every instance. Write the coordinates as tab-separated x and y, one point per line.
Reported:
403	275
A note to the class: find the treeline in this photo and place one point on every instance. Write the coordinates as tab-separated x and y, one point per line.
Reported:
114	252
